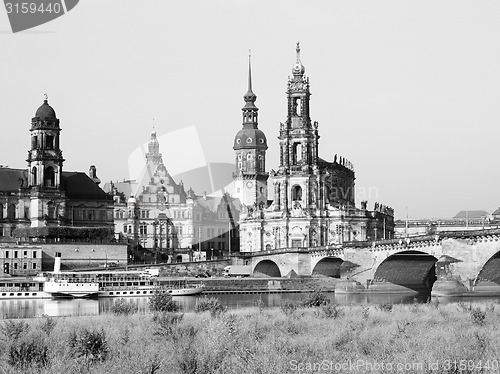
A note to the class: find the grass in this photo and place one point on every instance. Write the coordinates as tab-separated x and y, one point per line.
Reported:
258	340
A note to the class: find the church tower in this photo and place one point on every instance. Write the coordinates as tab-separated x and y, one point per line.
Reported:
153	156
296	183
45	163
250	145
298	136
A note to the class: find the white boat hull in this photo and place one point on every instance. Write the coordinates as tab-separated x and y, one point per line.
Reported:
71	289
188	291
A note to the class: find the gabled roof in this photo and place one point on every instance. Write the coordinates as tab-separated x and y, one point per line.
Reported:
471	214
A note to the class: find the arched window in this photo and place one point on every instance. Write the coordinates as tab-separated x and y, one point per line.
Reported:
297	153
34	173
297	106
51	210
296	193
1	211
49	177
11	211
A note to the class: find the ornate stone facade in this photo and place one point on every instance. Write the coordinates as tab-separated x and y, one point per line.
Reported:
157	213
314	199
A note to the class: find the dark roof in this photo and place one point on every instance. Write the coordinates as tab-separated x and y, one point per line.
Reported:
250	137
45	111
79	185
496	212
471	214
76	184
10	179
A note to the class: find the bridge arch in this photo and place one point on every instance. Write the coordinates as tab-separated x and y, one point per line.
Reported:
411	269
266	268
328	267
490	270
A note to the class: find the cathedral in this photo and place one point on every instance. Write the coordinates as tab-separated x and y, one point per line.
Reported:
313	200
43	195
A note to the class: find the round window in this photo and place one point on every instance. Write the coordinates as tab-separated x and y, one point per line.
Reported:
238	141
261	141
249	140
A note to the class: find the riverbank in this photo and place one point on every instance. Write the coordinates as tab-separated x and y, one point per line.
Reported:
430	338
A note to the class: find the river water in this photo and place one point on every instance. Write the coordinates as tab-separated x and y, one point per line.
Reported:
79	307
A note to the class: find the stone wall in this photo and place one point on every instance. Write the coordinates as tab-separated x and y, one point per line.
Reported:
299	284
187	269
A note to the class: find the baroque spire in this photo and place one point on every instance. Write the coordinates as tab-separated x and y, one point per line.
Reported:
298	69
250	97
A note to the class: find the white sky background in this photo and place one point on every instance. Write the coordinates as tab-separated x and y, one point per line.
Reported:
408	91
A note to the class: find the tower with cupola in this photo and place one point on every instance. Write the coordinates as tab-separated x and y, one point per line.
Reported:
297	180
45	161
250	145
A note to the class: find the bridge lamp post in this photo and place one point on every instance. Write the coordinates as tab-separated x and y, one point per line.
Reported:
4	260
106	253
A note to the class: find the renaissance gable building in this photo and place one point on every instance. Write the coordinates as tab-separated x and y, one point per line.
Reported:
314	199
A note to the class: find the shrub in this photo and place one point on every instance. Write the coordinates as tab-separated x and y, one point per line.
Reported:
260	305
478	316
365	312
167	322
211	304
26	353
13	330
48	325
123	307
332	311
387	307
161	301
289	306
88	344
317	298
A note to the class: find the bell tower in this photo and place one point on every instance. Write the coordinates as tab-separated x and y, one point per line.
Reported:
45	163
250	145
298	136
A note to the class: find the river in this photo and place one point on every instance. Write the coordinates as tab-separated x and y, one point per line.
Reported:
80	307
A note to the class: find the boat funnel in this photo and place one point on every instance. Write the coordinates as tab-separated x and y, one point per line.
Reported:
57	262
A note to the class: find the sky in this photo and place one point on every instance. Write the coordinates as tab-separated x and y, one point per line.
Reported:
408	91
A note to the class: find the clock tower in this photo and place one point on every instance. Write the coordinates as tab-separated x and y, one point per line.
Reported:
250	145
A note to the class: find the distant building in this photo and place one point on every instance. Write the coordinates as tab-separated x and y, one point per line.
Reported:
464	220
157	213
314	199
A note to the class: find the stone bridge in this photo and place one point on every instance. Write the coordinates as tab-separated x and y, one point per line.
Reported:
468	257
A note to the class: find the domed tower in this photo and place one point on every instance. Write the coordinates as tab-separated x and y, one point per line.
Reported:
250	145
45	163
45	157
